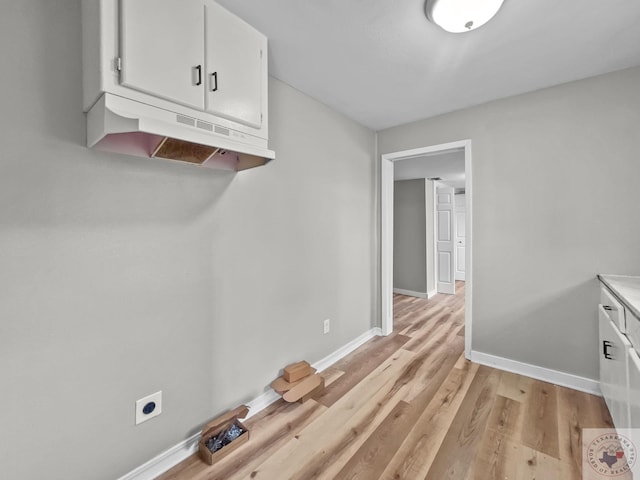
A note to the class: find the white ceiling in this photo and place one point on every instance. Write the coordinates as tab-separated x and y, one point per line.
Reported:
382	63
449	166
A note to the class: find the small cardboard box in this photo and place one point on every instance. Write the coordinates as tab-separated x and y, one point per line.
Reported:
217	426
297	371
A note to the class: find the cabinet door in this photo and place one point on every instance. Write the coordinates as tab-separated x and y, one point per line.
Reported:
162	49
634	397
634	388
614	370
235	68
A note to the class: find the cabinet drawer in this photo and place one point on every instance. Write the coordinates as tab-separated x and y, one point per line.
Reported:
633	330
614	309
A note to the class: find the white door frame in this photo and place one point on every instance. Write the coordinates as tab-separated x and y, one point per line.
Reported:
386	240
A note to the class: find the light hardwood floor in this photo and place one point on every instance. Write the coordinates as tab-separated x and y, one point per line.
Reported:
409	406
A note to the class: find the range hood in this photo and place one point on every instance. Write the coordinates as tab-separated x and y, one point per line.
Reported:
121	125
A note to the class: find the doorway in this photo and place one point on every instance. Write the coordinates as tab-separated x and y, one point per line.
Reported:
387	205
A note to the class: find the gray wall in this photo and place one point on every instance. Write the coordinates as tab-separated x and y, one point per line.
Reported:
555	201
431	247
409	236
122	276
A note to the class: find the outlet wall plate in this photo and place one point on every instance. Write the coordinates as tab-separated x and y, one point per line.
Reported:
148	407
327	325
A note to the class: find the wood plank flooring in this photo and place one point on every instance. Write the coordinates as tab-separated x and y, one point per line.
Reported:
409	406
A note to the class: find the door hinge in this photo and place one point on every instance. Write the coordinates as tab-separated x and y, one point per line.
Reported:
260	119
119	64
260	53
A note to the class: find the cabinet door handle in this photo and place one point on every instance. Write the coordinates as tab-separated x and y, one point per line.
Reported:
607	308
214	82
606	345
199	70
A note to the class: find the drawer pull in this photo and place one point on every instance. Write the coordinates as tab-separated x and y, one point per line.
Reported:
606	345
214	82
608	308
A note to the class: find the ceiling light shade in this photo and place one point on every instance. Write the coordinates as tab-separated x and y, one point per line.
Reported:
461	15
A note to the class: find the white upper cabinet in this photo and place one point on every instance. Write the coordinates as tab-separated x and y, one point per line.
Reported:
162	49
236	67
196	53
192	58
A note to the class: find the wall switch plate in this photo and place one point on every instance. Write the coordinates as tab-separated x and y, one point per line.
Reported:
327	325
148	407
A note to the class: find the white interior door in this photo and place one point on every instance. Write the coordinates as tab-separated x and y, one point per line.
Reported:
461	222
445	239
162	49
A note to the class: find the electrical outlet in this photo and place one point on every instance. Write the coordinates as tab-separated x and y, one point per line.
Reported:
148	407
327	325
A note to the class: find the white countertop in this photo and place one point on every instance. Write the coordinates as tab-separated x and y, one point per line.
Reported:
627	289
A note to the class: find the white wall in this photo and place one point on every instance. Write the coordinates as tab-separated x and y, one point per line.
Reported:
122	276
555	201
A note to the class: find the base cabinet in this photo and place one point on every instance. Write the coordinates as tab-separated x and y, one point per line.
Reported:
614	369
634	396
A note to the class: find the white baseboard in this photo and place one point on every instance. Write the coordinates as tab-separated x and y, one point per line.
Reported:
432	293
261	402
563	379
176	454
410	293
163	462
345	350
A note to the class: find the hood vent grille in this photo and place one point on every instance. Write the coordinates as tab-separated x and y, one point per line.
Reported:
186	120
205	125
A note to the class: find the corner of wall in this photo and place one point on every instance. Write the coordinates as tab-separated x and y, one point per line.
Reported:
377	251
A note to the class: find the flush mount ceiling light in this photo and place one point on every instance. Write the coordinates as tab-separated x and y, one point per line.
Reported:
461	15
